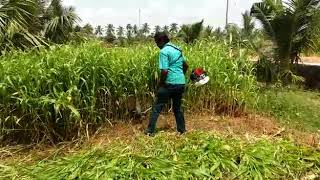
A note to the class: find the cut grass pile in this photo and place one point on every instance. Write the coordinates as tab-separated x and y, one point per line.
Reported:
167	156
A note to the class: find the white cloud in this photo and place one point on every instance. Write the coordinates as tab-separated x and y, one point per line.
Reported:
160	12
69	2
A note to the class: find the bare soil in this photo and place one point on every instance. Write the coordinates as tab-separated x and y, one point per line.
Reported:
311	59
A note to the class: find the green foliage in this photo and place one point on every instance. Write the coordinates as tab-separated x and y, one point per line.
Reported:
208	32
62	92
25	24
190	33
87	29
288	26
15	25
110	36
174	29
294	108
59	21
99	31
145	29
157	29
195	156
314	38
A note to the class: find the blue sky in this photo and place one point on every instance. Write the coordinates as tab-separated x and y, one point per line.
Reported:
158	12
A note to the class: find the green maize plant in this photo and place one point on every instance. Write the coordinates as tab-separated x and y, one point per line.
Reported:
65	92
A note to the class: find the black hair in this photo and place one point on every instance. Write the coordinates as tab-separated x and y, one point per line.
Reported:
161	37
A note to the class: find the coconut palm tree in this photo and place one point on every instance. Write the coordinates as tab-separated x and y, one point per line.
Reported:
135	30
288	25
190	33
87	29
16	18
99	31
173	29
208	31
129	31
59	21
166	29
145	29
157	29
233	34
120	32
251	35
110	36
218	33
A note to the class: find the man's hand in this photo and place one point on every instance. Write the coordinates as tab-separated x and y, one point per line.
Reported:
163	78
185	67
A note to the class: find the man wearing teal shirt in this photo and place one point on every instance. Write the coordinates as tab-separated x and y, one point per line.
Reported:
172	82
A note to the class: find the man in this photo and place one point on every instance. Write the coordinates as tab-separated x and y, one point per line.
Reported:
173	68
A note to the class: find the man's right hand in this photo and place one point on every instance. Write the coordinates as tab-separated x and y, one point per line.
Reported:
185	67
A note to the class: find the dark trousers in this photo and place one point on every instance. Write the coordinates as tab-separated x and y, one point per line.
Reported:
169	92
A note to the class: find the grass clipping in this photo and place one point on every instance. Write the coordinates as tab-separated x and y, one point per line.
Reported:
196	155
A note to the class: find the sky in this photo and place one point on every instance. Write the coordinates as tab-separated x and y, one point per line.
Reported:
158	12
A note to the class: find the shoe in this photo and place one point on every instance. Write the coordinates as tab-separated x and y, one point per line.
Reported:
149	134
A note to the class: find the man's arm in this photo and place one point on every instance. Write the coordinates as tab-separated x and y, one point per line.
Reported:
185	67
164	66
163	78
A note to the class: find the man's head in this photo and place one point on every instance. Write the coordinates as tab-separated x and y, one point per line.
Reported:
161	38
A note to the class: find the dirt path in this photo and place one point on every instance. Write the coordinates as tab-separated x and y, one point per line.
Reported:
311	59
243	127
251	125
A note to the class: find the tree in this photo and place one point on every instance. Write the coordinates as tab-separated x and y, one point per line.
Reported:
248	25
87	29
208	31
59	21
190	33
157	29
173	28
110	37
288	25
77	28
120	32
165	29
233	34
145	29
15	24
218	33
135	30
129	31
249	34
99	31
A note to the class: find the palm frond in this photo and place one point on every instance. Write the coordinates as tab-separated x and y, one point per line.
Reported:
191	32
60	21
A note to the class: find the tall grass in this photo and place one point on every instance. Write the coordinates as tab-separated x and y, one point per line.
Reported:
66	91
195	156
292	107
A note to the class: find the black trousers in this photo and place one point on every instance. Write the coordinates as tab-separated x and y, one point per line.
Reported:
169	92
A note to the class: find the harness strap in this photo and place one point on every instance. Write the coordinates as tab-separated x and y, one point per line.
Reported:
178	57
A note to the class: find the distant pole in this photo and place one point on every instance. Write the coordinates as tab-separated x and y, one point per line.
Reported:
139	18
227	14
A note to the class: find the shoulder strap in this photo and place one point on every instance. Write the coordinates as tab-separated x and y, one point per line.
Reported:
178	50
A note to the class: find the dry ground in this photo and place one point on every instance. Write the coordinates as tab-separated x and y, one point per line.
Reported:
311	59
243	127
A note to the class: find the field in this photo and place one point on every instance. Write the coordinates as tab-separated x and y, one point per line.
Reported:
60	93
67	113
